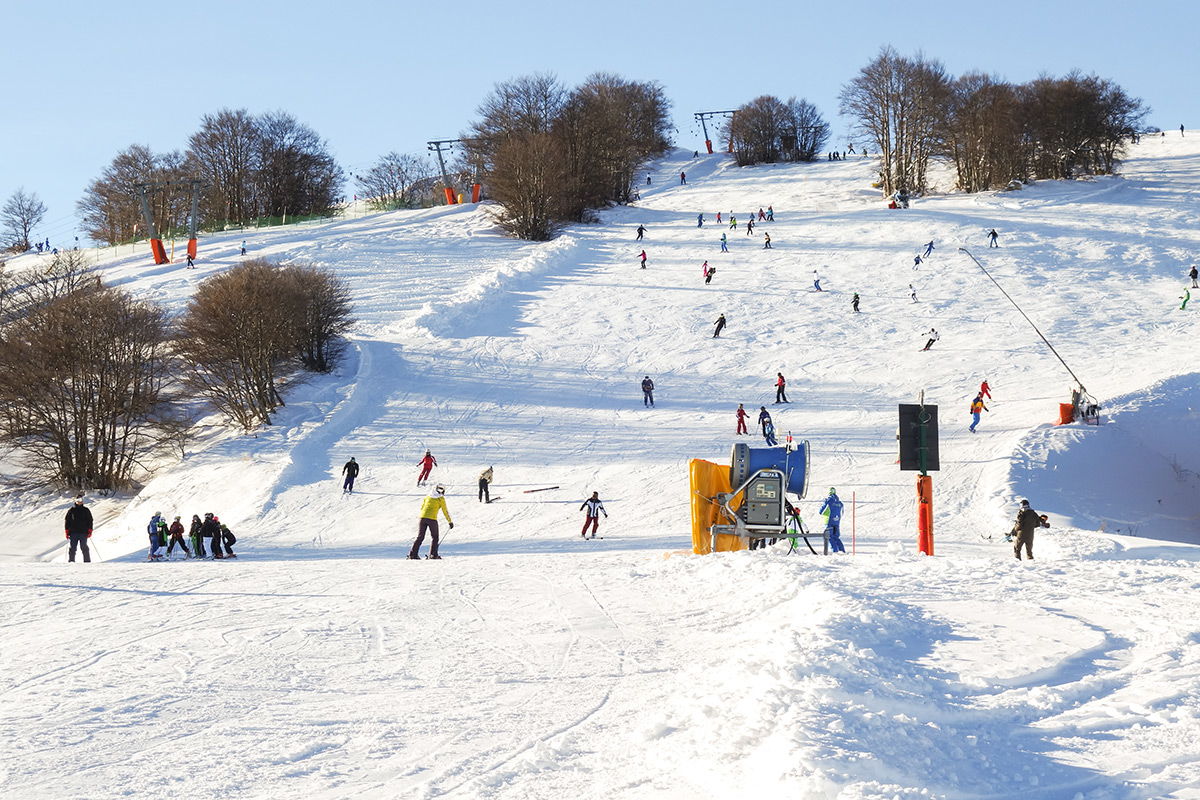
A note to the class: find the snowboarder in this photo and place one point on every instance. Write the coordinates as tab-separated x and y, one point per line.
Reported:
928	248
764	417
594	509
741	421
720	326
197	537
683	179
78	529
724	244
642	256
350	470
176	531
976	407
780	387
427	463
1193	273
933	337
817	281
912	292
648	392
641	230
1028	521
699	220
708	274
769	433
831	509
993	236
985	390
854	302
917	261
435	502
485	478
155	539
767	245
1187	295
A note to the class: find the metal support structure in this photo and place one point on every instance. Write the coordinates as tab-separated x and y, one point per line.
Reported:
435	146
703	116
156	245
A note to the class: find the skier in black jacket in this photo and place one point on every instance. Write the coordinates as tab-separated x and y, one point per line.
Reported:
196	533
1028	521
79	529
211	529
350	470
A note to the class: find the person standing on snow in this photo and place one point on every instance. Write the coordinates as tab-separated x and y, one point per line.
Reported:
427	463
732	222
767	246
641	230
976	407
78	529
993	236
708	274
195	533
985	390
594	509
642	256
750	226
763	418
769	433
1193	273
699	220
832	511
817	281
724	244
648	392
912	292
720	326
430	506
683	179
350	470
1187	295
211	529
485	478
1028	521
741	420
933	337
770	214
176	531
155	539
917	261
928	248
854	302
780	387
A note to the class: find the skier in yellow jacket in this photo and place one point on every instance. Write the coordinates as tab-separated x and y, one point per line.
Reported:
435	502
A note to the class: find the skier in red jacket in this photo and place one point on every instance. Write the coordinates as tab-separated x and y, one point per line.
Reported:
741	418
427	464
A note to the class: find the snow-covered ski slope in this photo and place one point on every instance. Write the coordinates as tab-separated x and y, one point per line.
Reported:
531	664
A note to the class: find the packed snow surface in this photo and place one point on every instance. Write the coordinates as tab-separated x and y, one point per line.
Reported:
530	663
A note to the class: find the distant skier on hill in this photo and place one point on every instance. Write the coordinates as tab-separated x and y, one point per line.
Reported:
767	245
854	302
648	392
78	529
724	244
1193	274
780	388
769	434
350	470
155	538
699	220
817	281
720	326
176	531
683	179
430	506
928	248
642	256
933	337
912	292
709	272
976	407
764	417
985	390
485	478
641	231
741	420
732	222
197	537
917	261
594	508
1028	521
993	236
427	463
770	214
1187	295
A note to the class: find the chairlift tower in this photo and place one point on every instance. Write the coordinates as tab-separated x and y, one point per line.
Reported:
435	146
703	116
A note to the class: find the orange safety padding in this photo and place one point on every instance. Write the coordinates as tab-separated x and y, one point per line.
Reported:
705	480
1066	413
476	190
449	196
925	514
160	253
192	248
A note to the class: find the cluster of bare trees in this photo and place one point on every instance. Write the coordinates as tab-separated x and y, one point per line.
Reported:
768	130
20	213
396	180
991	131
248	167
93	381
550	155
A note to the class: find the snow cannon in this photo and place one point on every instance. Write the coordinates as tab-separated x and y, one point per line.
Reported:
791	460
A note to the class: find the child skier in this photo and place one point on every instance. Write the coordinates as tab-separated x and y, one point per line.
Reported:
427	463
594	509
197	537
176	531
741	420
155	540
976	407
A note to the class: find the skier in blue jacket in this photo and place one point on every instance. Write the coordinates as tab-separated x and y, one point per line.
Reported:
832	511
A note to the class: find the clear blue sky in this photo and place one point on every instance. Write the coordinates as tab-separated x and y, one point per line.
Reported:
89	79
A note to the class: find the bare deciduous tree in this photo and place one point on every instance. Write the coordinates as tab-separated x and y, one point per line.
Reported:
769	130
111	207
223	153
20	214
392	182
320	305
296	173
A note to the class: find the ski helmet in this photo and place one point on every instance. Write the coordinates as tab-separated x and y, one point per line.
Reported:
79	501
832	490
440	489
1024	504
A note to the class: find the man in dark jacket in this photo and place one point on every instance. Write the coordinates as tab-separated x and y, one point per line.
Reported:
350	470
211	529
79	529
1027	522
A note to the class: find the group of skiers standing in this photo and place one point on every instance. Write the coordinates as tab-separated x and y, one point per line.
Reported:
221	539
